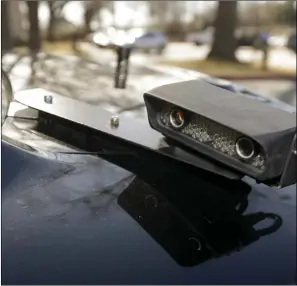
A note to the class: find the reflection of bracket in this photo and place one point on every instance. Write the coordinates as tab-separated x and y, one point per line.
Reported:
198	160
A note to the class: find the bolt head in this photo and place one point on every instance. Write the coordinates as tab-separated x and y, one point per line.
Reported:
48	99
114	121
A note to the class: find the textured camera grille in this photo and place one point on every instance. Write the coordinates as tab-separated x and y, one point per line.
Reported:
212	134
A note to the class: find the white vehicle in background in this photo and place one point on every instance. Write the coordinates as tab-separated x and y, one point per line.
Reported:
152	40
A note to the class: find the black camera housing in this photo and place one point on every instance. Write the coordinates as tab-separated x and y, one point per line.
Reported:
212	121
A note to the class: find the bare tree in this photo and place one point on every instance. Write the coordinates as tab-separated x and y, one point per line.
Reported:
34	32
249	14
113	13
34	43
287	13
224	43
55	9
50	29
6	37
158	11
166	15
91	9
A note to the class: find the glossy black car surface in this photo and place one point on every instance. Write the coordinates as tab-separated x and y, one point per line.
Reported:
135	217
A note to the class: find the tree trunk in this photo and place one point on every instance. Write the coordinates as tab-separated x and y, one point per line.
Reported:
224	43
113	13
6	37
34	43
50	30
34	34
91	8
88	17
158	11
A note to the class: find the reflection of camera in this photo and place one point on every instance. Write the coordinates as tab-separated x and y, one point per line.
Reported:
193	235
247	135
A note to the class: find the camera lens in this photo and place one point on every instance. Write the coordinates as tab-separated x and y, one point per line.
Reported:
177	118
245	148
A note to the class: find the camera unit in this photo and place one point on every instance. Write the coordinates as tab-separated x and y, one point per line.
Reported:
250	136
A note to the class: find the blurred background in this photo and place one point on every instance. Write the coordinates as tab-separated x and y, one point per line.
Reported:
72	47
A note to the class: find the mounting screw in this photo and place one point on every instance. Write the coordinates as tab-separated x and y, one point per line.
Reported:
114	121
48	99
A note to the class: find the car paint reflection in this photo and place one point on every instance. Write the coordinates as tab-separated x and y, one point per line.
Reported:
196	235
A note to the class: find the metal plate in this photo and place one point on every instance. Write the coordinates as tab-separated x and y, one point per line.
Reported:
99	119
